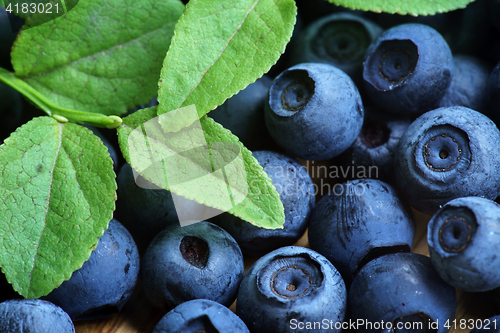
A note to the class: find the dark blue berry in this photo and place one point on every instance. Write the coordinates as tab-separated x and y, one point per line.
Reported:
289	286
401	288
33	316
200	260
408	69
200	316
359	221
105	282
464	241
314	111
448	153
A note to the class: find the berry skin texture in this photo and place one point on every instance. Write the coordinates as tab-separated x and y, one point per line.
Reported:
408	69
367	219
200	315
448	153
398	288
200	260
105	282
464	242
33	316
314	111
297	195
291	285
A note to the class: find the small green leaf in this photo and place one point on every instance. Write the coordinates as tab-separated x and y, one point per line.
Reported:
220	47
201	162
101	57
57	194
403	7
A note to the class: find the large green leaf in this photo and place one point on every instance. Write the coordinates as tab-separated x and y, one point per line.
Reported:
100	57
201	161
403	7
220	47
57	194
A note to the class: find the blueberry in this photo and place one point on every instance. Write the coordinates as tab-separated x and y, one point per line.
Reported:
448	153
464	241
243	115
200	260
469	84
105	282
375	147
200	315
408	69
314	111
33	316
401	289
296	191
289	286
142	208
340	39
359	221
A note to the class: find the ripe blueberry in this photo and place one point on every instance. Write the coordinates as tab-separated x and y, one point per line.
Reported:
314	111
448	153
291	285
200	260
34	316
401	289
408	69
464	242
365	221
105	282
200	315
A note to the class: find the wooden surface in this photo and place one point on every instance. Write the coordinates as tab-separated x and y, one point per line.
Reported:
139	317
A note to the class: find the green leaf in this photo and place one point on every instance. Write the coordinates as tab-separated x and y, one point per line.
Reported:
101	57
414	7
220	47
57	194
202	162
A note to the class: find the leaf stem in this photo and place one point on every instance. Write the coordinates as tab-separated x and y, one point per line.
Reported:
59	113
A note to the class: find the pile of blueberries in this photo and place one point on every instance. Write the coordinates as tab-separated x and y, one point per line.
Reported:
417	100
